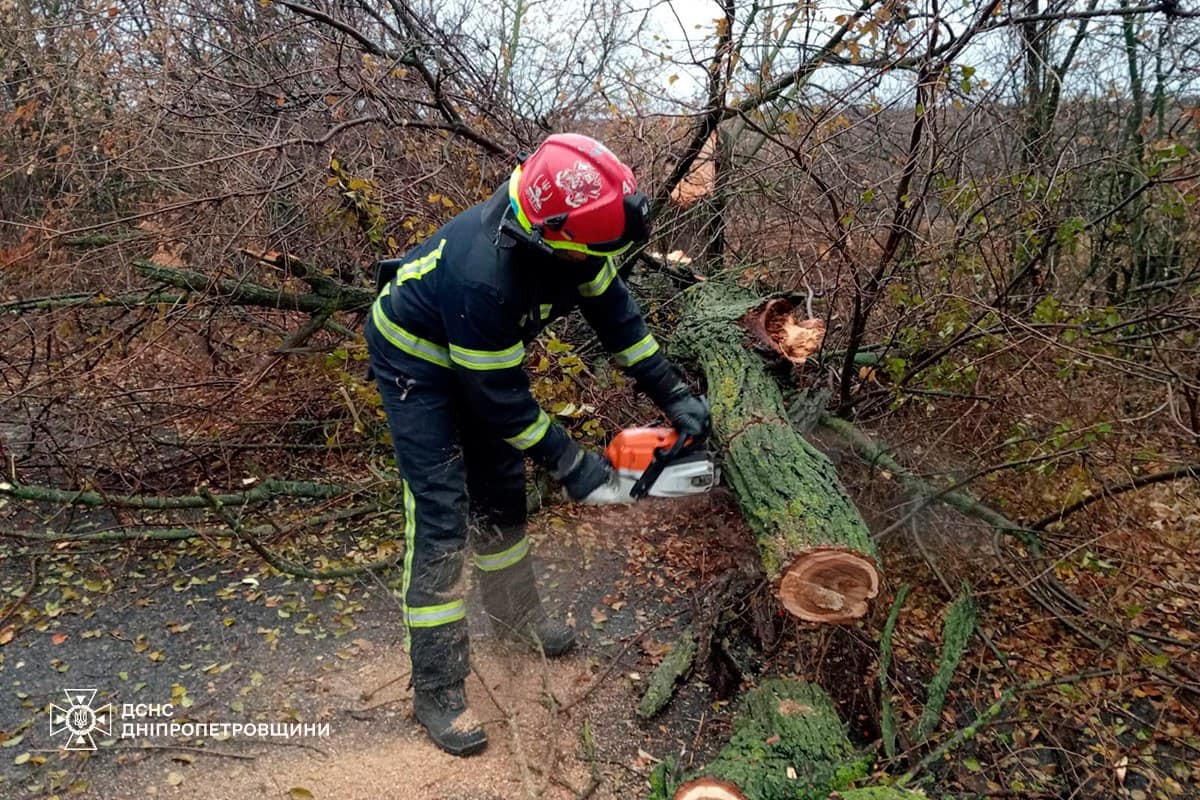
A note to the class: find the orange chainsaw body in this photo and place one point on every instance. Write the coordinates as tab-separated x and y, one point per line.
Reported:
653	462
632	449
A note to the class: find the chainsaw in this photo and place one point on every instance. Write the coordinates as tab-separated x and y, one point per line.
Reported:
658	462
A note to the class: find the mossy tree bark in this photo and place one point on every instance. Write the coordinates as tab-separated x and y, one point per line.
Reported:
813	542
788	742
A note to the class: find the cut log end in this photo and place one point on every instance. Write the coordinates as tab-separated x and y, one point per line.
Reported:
829	585
708	789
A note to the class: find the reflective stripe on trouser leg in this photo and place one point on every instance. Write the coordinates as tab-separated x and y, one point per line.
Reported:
422	417
496	485
506	580
494	562
422	616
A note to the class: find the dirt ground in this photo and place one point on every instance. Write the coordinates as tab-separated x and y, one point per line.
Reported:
205	625
218	635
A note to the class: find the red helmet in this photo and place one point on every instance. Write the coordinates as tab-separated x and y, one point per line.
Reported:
574	194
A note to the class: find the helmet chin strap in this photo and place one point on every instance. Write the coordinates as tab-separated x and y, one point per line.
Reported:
512	229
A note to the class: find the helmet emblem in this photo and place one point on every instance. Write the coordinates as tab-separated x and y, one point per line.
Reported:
539	192
579	183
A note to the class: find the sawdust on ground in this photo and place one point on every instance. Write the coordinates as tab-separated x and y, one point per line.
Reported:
532	752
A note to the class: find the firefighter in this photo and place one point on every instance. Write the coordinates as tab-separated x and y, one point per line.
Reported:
446	338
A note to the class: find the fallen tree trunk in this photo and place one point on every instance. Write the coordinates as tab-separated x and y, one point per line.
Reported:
813	543
788	742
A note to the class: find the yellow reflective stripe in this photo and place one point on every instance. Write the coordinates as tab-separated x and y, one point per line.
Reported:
432	616
637	351
421	266
545	310
597	285
533	434
514	199
402	339
488	359
583	248
494	562
421	616
410	529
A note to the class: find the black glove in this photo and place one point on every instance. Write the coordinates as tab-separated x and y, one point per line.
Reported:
687	412
582	472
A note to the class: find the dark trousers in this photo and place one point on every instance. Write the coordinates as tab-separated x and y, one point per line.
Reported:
460	483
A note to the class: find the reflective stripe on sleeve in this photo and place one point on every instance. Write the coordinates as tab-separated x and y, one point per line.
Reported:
494	562
638	351
488	359
597	285
533	434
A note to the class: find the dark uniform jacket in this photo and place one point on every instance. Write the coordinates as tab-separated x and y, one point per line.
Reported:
463	304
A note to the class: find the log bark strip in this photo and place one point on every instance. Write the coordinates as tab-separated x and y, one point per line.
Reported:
812	541
267	490
675	664
788	741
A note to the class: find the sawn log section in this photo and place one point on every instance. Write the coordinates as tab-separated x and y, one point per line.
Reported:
813	542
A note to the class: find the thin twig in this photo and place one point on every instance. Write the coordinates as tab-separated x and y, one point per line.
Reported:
291	567
367	696
33	582
518	747
595	684
1179	473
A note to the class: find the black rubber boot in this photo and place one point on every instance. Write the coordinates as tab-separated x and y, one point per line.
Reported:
449	723
511	599
539	631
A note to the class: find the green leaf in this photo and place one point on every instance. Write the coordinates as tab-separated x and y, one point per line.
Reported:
299	793
1157	660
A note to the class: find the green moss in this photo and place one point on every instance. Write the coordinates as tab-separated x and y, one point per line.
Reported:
879	793
673	666
788	742
956	633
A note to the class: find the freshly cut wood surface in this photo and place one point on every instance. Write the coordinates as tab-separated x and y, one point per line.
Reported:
708	789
